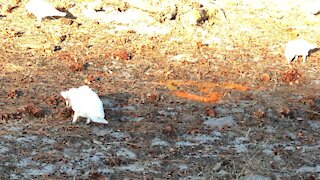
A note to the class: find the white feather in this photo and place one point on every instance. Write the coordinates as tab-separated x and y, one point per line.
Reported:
85	103
41	9
311	6
298	47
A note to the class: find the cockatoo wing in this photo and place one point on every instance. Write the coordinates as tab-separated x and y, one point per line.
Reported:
85	100
86	103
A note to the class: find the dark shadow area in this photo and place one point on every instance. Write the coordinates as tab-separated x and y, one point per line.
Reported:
114	105
68	16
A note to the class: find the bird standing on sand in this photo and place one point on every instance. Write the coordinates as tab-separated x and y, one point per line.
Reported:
42	9
298	47
85	103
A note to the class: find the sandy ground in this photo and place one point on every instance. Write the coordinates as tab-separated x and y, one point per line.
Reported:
216	100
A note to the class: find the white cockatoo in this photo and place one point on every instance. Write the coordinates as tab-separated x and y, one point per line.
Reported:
42	8
311	6
85	103
298	47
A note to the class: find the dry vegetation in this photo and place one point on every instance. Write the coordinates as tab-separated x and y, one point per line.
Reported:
149	95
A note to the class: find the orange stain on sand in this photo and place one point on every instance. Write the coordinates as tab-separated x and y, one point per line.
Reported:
211	98
204	87
234	86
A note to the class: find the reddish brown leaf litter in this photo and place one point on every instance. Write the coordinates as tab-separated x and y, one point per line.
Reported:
65	113
14	94
210	112
76	67
16	113
265	77
200	45
33	110
258	114
54	100
122	55
169	130
291	76
90	79
8	116
284	111
66	57
300	134
152	98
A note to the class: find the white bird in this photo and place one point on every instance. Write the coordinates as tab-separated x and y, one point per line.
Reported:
311	6
85	103
298	47
42	9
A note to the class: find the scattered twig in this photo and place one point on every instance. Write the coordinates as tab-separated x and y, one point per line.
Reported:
314	112
247	164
